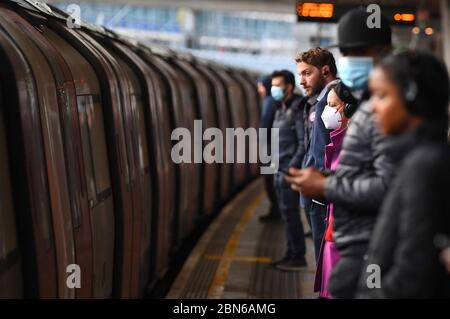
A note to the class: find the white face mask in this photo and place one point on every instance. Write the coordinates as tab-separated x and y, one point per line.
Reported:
331	118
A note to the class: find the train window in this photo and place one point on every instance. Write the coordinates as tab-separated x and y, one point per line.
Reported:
94	145
143	146
98	144
88	162
8	240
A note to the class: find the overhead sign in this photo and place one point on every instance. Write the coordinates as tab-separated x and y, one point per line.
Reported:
331	12
315	10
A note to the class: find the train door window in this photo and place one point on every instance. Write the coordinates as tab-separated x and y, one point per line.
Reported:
143	146
94	148
8	239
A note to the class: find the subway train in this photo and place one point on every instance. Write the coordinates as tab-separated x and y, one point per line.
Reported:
87	178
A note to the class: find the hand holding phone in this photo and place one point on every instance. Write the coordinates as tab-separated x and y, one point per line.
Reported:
285	171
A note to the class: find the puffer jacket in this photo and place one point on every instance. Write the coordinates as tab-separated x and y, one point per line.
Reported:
360	182
416	209
289	121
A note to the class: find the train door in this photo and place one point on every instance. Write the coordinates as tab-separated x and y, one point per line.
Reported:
223	121
52	146
114	115
10	262
251	103
158	113
238	114
203	95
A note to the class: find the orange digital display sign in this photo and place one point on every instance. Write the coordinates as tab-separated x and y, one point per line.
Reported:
315	10
406	17
331	11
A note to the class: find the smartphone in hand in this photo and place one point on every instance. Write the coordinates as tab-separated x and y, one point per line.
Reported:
285	171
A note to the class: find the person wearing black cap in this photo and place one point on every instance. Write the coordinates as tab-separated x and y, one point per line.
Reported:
360	45
360	182
268	110
410	97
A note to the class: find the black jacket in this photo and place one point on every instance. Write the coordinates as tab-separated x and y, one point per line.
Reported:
359	184
289	121
416	209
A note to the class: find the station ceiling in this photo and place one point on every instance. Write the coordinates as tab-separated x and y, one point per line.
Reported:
275	6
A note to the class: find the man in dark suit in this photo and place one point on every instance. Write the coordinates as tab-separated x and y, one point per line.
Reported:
317	70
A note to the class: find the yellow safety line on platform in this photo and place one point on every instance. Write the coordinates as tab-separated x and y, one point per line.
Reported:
220	277
251	259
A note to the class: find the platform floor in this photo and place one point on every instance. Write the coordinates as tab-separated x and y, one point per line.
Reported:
232	259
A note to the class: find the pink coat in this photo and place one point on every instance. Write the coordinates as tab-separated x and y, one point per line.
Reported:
329	256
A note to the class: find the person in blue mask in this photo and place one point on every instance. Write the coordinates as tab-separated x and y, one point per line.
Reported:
290	125
360	182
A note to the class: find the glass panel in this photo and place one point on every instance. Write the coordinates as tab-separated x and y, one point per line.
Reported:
8	240
94	145
88	163
143	146
98	144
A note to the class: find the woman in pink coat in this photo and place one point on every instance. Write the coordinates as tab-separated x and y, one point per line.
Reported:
334	120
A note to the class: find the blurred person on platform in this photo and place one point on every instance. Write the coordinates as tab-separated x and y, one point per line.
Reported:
268	110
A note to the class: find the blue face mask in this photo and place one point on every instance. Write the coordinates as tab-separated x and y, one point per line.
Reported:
354	71
277	93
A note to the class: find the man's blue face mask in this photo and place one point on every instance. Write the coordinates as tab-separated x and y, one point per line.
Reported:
354	71
277	93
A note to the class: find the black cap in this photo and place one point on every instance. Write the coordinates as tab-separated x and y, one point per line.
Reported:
354	32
